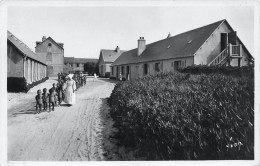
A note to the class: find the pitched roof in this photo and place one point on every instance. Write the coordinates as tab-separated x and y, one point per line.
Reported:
60	45
78	60
110	55
23	48
181	45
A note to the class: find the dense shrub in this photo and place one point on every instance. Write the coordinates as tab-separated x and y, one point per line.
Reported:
113	78
178	116
107	74
16	84
29	86
226	70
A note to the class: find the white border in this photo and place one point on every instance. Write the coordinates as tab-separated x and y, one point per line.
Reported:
60	3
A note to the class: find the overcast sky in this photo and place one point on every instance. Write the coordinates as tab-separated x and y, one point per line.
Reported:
86	30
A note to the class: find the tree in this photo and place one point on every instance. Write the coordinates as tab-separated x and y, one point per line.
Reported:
91	67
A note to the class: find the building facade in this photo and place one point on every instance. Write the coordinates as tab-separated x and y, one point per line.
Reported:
72	64
53	53
213	44
106	58
22	63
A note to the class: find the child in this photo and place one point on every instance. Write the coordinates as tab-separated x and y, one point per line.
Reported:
45	99
38	99
59	94
54	87
51	99
85	80
62	91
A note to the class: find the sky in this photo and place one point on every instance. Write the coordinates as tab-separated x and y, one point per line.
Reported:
88	29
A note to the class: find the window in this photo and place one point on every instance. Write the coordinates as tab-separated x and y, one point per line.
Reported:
177	65
157	67
145	69
112	69
77	64
122	70
49	56
49	44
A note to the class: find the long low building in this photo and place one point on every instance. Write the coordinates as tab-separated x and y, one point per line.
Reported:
213	44
24	67
72	64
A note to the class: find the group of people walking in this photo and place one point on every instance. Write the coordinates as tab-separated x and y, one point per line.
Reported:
64	90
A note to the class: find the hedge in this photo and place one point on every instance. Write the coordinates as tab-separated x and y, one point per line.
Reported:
181	116
226	70
19	84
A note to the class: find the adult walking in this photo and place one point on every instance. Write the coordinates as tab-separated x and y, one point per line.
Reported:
95	77
70	87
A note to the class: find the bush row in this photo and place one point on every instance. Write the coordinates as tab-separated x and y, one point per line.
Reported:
16	84
226	70
180	116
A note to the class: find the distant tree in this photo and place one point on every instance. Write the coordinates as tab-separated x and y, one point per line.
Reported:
91	67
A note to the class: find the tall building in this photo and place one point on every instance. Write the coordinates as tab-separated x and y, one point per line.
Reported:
53	53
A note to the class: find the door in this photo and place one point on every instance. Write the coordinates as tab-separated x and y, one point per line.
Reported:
177	65
224	41
117	72
127	72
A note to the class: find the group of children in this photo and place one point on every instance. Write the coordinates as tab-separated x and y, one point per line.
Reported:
56	95
80	80
51	99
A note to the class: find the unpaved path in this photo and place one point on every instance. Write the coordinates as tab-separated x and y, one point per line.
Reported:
67	134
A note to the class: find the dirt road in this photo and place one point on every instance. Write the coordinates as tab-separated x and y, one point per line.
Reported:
68	134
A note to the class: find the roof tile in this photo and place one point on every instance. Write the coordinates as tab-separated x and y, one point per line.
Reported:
23	48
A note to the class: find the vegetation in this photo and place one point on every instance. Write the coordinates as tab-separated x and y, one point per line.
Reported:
91	67
181	116
19	84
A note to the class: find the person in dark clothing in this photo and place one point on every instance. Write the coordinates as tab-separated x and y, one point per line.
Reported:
39	102
45	96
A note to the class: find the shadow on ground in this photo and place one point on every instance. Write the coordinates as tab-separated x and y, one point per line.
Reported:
112	152
108	80
27	111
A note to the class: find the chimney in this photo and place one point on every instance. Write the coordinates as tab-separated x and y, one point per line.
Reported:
117	49
141	46
169	35
43	38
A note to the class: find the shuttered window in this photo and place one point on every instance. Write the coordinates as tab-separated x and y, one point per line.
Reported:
49	56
